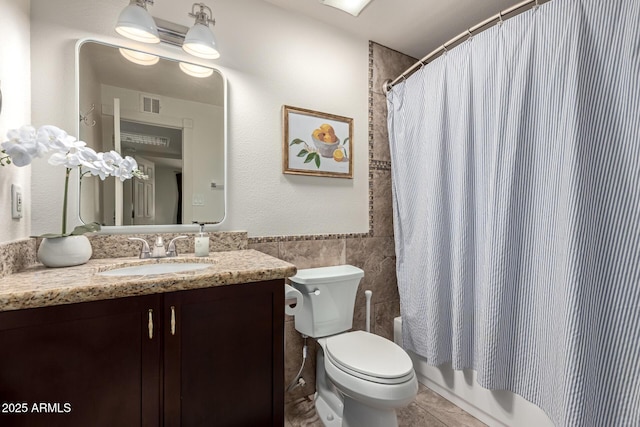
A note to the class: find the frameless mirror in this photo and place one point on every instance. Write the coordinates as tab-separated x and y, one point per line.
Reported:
168	115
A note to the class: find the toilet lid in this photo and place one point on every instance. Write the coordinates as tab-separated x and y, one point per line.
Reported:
369	355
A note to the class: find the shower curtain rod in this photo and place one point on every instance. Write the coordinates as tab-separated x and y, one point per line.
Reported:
499	17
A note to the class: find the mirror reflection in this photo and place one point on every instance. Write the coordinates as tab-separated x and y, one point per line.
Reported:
167	115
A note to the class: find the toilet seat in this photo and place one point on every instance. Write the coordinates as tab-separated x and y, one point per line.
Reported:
369	357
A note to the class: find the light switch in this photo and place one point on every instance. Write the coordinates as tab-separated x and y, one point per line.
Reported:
16	201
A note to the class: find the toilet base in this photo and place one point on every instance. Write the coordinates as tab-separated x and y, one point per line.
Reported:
356	414
328	401
327	415
338	410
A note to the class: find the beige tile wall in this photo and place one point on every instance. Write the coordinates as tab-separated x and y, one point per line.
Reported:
373	252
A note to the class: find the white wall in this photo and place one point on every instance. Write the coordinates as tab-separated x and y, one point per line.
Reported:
271	58
16	109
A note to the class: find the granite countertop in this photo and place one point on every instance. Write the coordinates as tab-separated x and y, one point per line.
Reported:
38	286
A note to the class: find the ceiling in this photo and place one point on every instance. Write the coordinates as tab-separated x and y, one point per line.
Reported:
413	27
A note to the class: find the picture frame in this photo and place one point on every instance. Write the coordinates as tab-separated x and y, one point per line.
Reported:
316	143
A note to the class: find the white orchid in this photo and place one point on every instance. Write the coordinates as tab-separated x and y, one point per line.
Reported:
27	143
17	154
23	145
126	170
95	164
57	139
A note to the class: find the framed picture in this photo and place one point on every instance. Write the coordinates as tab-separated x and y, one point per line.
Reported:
317	143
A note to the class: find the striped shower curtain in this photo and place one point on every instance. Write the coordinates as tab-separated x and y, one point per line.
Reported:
516	196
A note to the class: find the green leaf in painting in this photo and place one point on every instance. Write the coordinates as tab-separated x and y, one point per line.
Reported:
303	153
297	141
317	160
345	141
309	157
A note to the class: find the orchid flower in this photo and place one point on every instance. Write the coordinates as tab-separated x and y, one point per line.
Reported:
23	145
27	143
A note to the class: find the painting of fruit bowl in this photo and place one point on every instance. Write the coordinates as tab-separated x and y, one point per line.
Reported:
325	140
317	143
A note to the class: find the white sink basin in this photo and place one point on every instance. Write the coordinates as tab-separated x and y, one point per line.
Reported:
158	268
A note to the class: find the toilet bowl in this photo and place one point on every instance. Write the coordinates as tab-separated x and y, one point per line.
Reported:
361	378
373	374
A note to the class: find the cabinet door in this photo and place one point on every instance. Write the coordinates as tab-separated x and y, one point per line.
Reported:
89	364
224	360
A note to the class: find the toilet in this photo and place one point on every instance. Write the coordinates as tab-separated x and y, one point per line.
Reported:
361	378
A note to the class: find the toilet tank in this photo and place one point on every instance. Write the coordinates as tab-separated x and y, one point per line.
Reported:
329	294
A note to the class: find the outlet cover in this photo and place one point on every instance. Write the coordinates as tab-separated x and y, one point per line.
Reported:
16	201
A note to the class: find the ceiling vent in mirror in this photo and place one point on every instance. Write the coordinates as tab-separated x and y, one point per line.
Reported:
142	139
149	104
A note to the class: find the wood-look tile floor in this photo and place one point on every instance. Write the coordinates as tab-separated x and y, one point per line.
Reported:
429	409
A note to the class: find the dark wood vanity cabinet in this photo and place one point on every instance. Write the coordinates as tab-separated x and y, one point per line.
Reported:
224	364
206	357
89	364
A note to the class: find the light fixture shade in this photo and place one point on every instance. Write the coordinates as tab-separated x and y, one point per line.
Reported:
195	70
139	58
354	7
200	42
136	23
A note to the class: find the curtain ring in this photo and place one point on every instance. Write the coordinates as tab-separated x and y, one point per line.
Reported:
536	6
470	34
445	49
500	21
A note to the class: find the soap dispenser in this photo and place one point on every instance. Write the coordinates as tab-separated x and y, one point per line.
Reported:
202	242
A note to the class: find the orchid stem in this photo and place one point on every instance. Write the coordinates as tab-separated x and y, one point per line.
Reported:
64	202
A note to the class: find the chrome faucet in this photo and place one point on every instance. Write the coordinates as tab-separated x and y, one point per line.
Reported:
158	248
144	251
172	250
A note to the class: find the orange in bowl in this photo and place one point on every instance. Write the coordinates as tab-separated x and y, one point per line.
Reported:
326	148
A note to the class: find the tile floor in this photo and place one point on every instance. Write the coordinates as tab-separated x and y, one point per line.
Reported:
429	409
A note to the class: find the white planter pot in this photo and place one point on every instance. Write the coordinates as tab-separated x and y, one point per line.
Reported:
64	251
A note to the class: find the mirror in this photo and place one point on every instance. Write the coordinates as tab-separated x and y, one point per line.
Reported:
171	122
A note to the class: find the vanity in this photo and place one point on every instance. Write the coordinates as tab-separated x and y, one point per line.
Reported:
193	348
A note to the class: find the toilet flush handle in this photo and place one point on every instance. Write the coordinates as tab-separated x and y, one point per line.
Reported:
367	295
315	292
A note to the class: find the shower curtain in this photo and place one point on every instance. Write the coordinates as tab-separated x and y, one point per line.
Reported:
516	195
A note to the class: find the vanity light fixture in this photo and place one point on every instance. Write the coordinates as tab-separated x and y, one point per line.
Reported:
199	40
195	70
136	23
139	58
354	7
